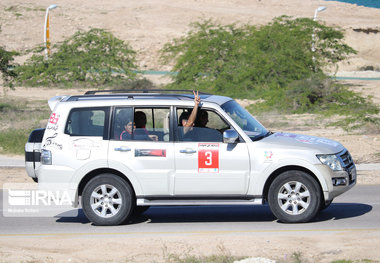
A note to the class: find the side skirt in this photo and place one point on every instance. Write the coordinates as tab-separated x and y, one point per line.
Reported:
198	200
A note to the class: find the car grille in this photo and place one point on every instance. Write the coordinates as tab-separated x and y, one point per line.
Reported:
347	164
346	158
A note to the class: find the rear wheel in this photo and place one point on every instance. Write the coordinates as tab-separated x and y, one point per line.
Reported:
107	200
294	197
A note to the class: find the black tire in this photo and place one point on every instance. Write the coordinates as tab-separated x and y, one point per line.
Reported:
112	199
324	205
294	197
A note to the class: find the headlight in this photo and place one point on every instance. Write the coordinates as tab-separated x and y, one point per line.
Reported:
331	160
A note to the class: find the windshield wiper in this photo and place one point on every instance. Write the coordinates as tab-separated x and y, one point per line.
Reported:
261	136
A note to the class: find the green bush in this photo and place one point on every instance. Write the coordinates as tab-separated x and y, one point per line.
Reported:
316	94
247	60
321	95
272	64
6	63
95	57
137	84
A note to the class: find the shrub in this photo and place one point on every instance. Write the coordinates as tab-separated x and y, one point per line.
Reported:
272	64
93	57
239	60
6	63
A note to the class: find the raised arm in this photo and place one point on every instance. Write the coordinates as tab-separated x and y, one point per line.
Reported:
193	115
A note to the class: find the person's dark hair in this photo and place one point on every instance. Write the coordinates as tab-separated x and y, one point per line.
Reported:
184	116
199	121
140	119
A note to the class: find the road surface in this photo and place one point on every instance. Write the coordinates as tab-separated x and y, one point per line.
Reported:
358	209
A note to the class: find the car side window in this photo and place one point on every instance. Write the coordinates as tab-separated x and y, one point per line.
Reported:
123	124
208	127
86	122
141	124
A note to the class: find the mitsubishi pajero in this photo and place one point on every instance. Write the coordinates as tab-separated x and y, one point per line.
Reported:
118	164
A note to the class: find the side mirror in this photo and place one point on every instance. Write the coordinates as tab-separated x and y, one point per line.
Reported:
230	136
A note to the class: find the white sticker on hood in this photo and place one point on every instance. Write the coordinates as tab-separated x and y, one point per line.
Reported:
307	139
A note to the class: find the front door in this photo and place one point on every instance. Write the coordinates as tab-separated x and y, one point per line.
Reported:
205	166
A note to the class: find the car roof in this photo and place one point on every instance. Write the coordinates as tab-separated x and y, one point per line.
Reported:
156	94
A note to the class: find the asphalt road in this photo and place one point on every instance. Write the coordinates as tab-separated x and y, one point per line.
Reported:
358	209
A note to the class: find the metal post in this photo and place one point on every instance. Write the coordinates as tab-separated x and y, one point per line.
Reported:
46	31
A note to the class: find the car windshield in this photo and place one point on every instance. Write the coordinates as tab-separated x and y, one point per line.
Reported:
244	119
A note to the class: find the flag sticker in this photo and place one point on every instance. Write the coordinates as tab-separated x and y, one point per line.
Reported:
54	118
150	153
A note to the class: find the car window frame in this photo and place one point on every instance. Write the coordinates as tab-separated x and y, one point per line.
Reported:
134	108
176	126
106	121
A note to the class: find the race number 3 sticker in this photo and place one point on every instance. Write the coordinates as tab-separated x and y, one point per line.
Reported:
208	158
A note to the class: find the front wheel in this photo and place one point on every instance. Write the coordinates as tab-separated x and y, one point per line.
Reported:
294	197
107	200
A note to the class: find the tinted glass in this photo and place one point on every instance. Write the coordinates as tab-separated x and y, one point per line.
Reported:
245	120
141	124
208	126
86	122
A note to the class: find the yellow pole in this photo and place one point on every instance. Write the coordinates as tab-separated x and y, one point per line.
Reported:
48	36
46	31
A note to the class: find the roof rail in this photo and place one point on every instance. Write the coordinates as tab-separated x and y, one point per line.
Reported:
121	91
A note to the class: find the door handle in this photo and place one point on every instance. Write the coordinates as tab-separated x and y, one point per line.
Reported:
123	149
187	151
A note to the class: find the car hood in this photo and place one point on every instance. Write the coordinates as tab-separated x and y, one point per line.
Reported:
292	141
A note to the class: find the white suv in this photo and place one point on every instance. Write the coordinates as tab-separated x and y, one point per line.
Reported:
96	148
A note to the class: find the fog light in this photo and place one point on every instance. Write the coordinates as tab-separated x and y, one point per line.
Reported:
339	181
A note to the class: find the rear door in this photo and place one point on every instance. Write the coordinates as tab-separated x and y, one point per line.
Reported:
146	153
81	146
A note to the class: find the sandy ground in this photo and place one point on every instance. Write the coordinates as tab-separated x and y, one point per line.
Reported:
314	247
147	25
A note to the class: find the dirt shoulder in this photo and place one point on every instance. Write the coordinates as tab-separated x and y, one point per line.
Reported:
317	246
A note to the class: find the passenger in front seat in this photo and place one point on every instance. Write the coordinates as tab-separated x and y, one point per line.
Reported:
141	132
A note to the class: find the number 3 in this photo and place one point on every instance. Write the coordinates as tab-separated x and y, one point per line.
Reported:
208	158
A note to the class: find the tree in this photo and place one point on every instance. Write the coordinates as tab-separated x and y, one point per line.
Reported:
235	60
94	57
6	65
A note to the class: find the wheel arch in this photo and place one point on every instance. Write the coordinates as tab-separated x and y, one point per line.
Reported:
280	170
99	171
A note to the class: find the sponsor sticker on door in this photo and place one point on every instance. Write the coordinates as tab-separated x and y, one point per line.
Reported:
208	158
